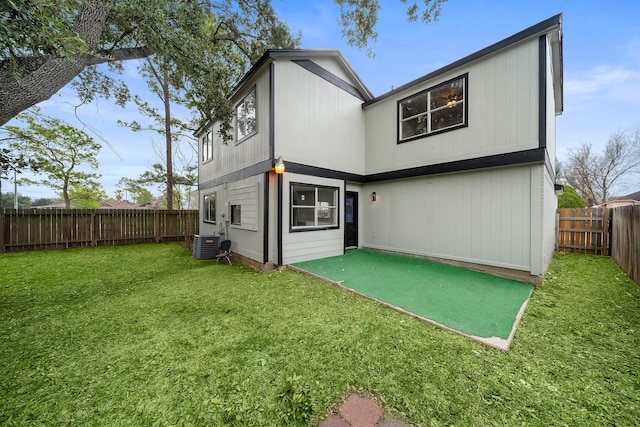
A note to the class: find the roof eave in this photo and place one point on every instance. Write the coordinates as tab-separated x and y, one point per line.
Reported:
543	27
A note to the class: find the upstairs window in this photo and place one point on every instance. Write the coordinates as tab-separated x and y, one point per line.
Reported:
207	147
245	116
313	207
437	109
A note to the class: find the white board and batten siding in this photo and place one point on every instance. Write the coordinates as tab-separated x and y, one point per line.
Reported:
301	246
549	200
502	115
232	155
323	125
480	217
246	237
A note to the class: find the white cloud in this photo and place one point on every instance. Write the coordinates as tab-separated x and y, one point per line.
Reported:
602	80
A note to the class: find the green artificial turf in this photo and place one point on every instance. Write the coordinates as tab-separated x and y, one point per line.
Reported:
471	302
146	335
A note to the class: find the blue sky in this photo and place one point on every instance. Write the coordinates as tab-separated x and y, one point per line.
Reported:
601	68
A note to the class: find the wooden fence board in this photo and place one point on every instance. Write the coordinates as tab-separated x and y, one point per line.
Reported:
37	229
583	230
625	239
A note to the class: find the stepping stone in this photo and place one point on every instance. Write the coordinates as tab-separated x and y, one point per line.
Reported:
360	411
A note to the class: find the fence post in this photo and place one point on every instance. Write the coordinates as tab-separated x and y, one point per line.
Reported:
605	232
2	216
557	230
156	225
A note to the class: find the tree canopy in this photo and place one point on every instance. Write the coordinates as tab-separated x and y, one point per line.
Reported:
358	18
570	198
45	45
58	150
596	175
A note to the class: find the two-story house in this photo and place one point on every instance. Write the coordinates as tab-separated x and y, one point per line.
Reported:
457	165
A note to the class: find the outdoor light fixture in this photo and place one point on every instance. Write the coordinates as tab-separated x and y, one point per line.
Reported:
374	197
559	189
279	166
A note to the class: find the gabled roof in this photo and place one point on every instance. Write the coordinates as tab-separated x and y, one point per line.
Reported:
551	25
117	204
633	196
302	54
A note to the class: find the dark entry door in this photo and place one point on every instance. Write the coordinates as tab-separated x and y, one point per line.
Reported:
351	219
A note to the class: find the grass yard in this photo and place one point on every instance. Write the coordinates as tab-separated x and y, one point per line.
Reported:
147	335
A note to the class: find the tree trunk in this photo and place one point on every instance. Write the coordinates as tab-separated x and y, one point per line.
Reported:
65	196
167	136
39	77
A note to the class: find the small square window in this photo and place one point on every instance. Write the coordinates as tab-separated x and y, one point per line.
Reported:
236	214
209	207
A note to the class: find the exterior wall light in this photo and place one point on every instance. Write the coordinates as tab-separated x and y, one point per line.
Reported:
374	197
559	189
279	166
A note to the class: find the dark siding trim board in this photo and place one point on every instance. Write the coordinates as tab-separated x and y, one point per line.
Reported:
322	172
272	111
542	27
542	91
536	155
280	231
330	77
258	168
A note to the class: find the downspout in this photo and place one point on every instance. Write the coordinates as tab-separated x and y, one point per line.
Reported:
280	185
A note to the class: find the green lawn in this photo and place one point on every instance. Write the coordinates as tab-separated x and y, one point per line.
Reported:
147	335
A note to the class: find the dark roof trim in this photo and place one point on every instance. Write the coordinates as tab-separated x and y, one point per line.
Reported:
542	92
330	77
273	54
535	30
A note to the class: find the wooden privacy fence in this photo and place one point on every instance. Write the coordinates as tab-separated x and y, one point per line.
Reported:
36	229
625	239
583	230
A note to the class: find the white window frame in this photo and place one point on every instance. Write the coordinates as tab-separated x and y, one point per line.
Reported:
207	147
207	201
318	209
244	113
426	116
235	209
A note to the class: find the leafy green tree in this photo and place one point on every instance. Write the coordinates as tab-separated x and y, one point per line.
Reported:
12	162
42	201
44	45
358	18
47	44
163	123
8	201
185	181
87	196
132	187
58	150
570	198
